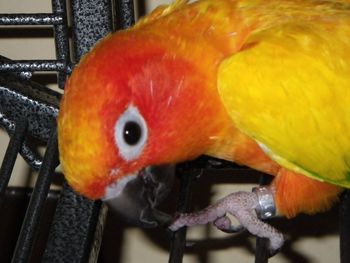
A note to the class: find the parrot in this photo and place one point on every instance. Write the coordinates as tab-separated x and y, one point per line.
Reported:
261	83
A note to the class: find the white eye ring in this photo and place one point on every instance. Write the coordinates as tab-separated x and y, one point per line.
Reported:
130	133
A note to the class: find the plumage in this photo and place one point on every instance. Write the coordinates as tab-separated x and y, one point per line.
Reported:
296	105
262	83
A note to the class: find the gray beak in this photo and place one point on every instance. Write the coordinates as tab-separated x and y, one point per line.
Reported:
136	197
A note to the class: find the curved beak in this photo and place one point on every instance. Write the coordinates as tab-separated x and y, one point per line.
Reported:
136	196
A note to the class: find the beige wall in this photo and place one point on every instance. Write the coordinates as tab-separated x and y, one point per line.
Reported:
315	246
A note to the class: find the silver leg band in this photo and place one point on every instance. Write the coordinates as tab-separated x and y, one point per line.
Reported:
266	207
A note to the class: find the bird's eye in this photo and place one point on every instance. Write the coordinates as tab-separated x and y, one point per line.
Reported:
130	133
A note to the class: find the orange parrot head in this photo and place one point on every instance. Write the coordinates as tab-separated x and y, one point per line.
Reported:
133	106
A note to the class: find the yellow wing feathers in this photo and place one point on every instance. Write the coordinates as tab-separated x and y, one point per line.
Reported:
289	89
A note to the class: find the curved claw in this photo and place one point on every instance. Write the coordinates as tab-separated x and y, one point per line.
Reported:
273	252
242	205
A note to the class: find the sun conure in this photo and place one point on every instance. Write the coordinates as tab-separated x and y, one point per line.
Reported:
263	83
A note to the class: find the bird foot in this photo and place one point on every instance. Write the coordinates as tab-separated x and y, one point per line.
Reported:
245	206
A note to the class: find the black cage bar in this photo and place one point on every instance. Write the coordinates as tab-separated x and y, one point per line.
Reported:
28	110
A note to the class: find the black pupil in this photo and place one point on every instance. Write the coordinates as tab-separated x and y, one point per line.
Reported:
132	132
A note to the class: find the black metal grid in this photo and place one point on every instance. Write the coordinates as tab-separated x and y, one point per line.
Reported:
29	109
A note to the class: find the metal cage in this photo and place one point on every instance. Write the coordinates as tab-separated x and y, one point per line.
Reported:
28	110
